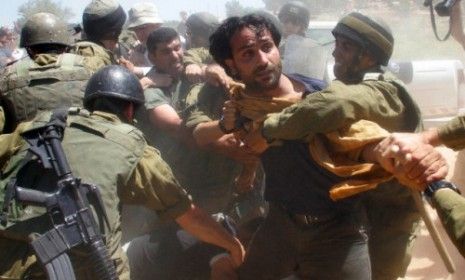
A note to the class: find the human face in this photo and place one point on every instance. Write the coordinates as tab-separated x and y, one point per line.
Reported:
143	31
347	56
255	59
167	58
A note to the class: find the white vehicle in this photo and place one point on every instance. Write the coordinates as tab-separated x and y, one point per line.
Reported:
438	86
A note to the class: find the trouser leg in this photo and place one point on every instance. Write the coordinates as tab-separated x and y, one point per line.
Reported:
270	254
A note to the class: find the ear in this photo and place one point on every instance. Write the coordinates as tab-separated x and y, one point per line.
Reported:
232	66
368	60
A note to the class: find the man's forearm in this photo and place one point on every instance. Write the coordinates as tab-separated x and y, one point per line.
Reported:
207	133
204	228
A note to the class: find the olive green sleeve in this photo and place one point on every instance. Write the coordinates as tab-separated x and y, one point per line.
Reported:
154	97
197	56
209	101
452	134
337	106
451	210
153	185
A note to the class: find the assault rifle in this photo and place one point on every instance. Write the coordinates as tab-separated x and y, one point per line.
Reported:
67	206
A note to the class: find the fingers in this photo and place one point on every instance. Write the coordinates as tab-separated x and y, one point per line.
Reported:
423	166
229	115
194	73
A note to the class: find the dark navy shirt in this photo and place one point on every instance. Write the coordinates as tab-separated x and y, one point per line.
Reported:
294	180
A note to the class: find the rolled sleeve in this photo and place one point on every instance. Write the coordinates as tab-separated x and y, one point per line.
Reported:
207	99
153	185
453	133
154	97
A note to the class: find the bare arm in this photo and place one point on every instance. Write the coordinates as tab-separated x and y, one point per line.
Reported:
203	227
413	162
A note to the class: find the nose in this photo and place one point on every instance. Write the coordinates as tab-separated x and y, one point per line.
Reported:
176	56
262	58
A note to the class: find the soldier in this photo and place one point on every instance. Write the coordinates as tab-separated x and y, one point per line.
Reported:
294	17
199	27
362	91
143	20
102	22
51	78
446	198
103	147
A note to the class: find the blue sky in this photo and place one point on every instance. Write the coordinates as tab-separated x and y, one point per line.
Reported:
169	9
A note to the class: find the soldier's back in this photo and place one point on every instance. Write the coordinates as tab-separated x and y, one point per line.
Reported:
45	83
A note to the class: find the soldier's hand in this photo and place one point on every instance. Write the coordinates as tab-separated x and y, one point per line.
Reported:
413	162
215	75
126	64
255	142
195	73
229	116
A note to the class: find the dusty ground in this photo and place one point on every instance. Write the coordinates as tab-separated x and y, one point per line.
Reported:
427	263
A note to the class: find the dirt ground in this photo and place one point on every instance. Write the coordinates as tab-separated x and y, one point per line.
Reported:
426	263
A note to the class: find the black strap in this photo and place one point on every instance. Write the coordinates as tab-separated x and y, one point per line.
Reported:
433	24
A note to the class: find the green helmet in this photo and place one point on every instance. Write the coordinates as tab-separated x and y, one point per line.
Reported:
103	19
44	28
202	24
373	35
115	82
295	11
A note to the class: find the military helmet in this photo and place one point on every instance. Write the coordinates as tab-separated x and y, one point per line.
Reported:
295	10
202	24
371	34
44	28
115	82
103	19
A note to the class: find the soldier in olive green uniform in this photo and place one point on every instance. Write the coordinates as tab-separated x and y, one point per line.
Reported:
371	95
102	21
166	111
199	27
51	78
104	149
449	204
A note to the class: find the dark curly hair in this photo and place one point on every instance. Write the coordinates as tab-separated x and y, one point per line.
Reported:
220	45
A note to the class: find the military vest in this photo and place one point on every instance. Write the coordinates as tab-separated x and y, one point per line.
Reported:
99	151
29	88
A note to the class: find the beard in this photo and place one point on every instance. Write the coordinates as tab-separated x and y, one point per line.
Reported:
265	77
349	74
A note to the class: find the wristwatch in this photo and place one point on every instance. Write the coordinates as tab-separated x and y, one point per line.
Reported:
433	187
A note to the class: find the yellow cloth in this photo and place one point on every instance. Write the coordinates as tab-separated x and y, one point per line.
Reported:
338	151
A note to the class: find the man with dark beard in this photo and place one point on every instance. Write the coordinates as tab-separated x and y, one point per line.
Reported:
305	230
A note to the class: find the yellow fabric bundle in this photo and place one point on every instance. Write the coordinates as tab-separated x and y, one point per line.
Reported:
338	151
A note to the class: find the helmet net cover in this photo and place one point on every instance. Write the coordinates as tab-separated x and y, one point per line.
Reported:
373	35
